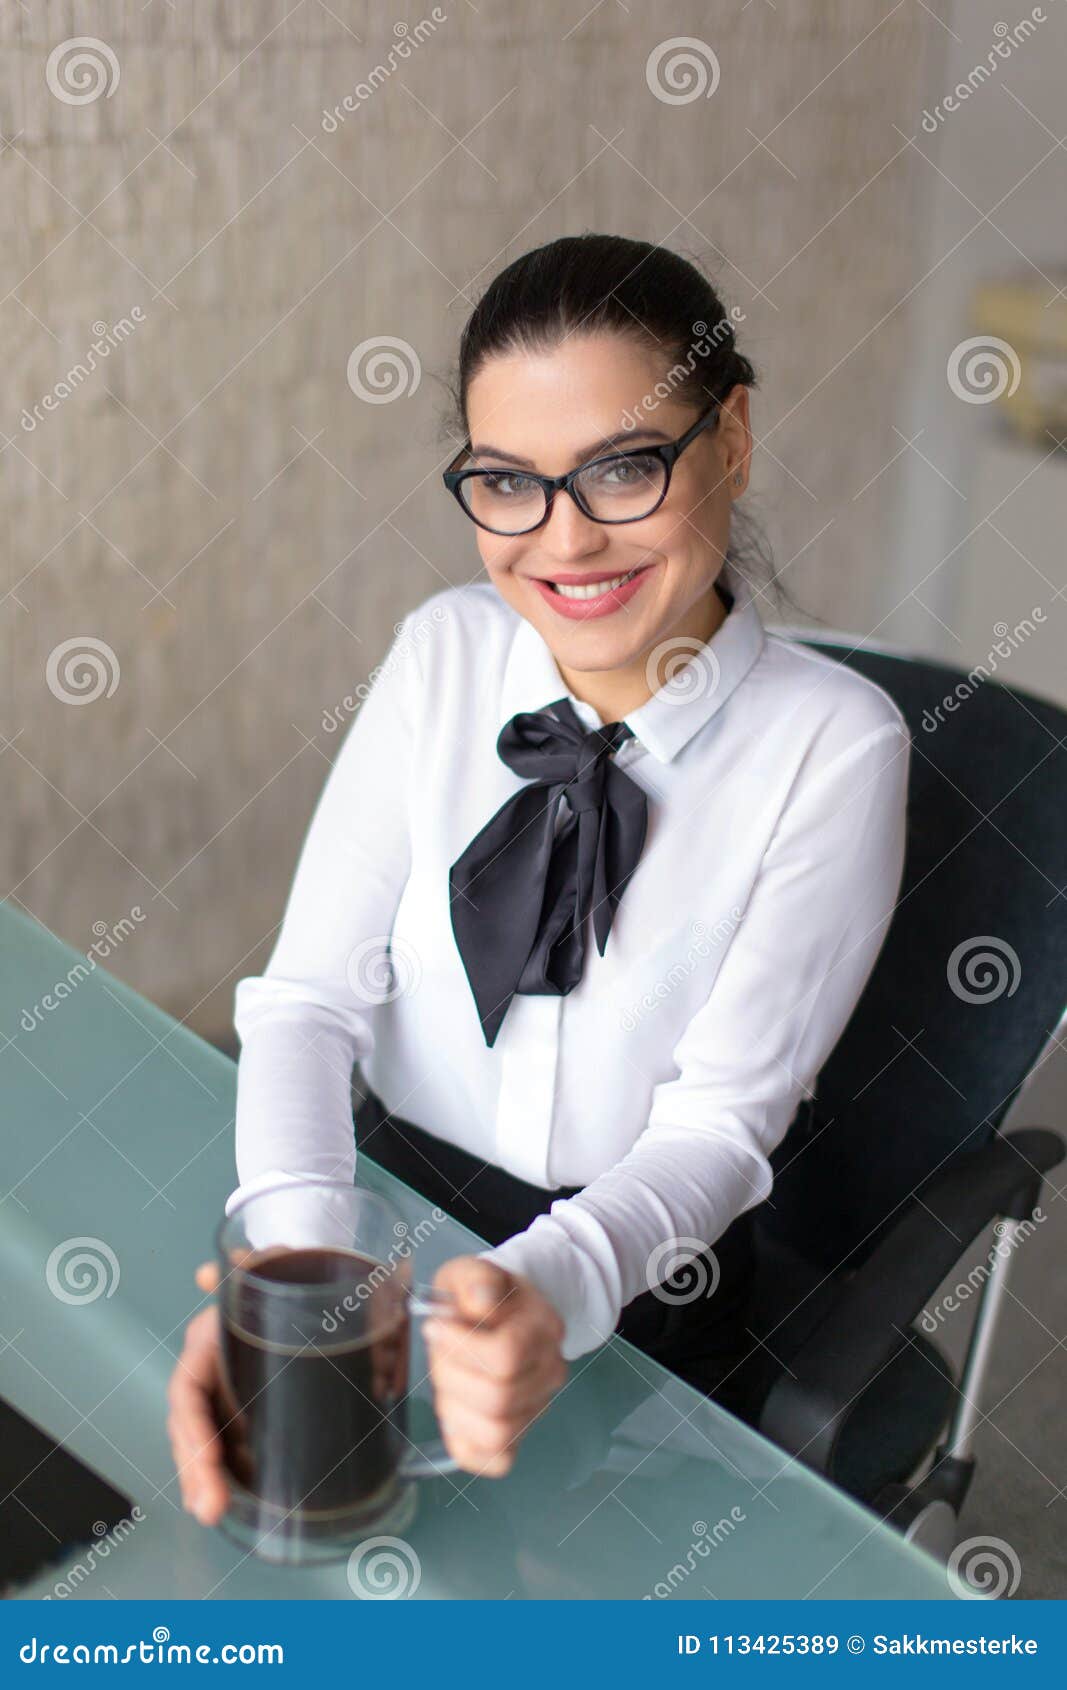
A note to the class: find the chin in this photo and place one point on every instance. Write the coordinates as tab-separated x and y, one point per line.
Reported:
588	650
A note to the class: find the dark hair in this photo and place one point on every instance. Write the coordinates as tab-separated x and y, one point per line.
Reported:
607	283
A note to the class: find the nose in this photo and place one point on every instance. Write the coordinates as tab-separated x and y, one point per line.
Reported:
569	533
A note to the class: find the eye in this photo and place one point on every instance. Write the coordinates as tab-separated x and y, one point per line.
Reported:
505	484
621	473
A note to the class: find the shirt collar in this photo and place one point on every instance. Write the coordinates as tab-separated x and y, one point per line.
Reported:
667	721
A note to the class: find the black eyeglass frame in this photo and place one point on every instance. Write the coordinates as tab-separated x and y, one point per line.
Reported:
668	454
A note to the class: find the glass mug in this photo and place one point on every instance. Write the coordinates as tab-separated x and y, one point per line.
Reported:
315	1308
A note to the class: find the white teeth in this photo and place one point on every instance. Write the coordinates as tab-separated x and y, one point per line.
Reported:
595	590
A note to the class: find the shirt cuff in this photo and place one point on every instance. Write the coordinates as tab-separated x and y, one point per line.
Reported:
289	1215
557	1266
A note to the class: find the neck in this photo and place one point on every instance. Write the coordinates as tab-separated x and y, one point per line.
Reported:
613	693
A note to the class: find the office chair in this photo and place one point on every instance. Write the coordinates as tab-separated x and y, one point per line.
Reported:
897	1163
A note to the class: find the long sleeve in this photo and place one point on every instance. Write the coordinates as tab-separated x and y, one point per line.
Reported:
795	968
309	1017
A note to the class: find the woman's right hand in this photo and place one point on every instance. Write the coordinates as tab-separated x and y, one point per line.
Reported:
193	1393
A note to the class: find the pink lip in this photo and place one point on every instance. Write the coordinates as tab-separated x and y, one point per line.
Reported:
581	610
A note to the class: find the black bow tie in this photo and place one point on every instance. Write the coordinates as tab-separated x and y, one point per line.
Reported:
521	891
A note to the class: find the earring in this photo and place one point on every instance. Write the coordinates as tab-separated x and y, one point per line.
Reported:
738	478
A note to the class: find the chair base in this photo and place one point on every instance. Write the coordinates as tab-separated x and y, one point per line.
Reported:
927	1513
934	1527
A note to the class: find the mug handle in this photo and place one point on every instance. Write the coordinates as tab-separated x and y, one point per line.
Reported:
428	1460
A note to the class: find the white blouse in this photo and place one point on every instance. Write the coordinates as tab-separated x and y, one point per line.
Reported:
777	790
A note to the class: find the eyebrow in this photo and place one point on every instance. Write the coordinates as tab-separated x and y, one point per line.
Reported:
625	435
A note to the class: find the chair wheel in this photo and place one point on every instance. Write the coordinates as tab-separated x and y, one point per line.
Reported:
921	1517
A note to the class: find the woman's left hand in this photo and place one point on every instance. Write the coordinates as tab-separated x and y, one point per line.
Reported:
495	1363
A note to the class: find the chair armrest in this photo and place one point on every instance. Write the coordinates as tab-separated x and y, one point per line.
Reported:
808	1406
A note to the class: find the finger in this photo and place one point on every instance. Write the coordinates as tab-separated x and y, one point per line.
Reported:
208	1276
193	1427
481	1463
208	1447
202	1478
480	1290
211	1498
490	1398
480	1446
192	1404
474	1461
198	1364
513	1352
195	1435
482	1368
389	1365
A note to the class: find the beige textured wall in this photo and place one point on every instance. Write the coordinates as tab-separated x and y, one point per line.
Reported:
215	504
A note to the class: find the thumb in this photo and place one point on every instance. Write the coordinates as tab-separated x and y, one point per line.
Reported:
208	1276
479	1288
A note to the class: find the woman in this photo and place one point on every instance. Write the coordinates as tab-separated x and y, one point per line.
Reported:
629	859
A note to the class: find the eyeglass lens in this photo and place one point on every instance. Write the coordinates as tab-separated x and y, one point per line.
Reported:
617	489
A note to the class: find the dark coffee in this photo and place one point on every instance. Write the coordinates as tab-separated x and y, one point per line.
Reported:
315	1346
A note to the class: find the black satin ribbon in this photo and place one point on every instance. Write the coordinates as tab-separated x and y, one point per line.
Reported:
521	892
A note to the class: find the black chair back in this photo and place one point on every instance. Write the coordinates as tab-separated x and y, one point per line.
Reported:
970	983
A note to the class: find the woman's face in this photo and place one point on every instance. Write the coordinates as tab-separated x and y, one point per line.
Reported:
550	412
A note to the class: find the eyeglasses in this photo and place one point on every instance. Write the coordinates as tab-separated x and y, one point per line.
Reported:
622	487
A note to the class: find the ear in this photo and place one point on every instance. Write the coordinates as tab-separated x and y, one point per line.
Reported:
734	439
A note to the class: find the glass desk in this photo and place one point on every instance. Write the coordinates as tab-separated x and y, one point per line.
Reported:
118	1130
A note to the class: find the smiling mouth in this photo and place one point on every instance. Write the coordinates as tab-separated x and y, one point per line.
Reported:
593	589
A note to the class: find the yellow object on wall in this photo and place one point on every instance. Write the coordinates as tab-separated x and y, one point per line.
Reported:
1033	379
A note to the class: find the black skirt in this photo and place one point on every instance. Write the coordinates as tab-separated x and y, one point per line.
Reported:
702	1338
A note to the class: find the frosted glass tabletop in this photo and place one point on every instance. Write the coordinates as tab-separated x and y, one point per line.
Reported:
118	1128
